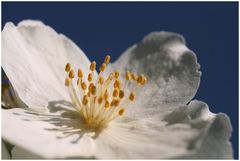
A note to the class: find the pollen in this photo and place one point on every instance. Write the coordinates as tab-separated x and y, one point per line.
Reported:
116	74
67	82
107	59
102	67
117	84
71	74
115	93
128	75
134	76
121	112
68	67
80	73
101	80
132	96
93	66
102	99
83	85
90	76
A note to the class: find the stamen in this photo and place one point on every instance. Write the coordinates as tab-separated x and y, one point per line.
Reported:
140	79
100	100
101	80
116	74
115	102
107	59
67	82
84	86
85	100
102	67
90	76
93	90
93	66
134	76
107	104
121	112
128	75
68	67
121	94
71	74
105	96
132	96
80	73
115	93
117	84
105	99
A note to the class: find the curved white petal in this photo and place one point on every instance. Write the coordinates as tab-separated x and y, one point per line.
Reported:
47	136
20	153
5	153
34	58
171	67
188	132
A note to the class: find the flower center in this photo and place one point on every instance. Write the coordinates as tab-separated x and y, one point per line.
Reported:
101	100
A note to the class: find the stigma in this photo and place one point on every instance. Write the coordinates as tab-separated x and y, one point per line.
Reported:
99	99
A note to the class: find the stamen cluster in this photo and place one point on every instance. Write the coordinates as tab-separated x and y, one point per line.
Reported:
100	99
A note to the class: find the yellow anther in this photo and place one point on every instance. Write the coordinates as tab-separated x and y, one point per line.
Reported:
84	86
93	90
80	73
90	87
144	81
115	93
102	67
90	76
100	80
105	95
107	104
117	84
116	74
85	100
140	79
128	75
115	102
71	74
93	66
107	59
111	76
68	67
101	94
100	100
67	82
121	94
121	111
132	96
134	76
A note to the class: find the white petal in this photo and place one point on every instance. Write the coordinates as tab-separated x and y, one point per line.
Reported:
188	132
19	153
47	136
34	58
168	63
214	131
5	153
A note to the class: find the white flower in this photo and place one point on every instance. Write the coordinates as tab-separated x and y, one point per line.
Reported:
159	122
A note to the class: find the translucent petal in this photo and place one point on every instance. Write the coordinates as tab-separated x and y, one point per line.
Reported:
34	58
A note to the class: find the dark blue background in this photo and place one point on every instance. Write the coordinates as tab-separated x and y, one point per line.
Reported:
211	30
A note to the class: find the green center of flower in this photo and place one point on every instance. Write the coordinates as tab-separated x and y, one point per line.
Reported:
101	100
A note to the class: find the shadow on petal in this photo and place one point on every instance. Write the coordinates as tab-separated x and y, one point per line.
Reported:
65	120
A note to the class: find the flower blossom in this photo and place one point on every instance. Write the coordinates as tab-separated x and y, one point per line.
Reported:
139	107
